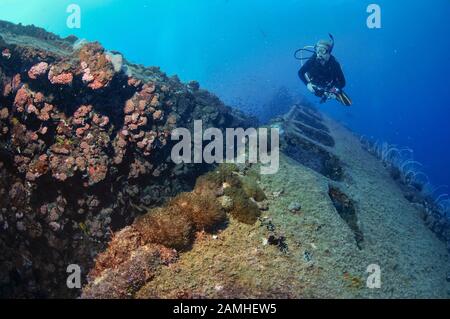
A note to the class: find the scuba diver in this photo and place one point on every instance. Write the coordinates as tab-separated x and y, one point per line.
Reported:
322	73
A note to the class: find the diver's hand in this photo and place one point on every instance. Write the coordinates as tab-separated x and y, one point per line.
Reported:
330	95
335	90
310	87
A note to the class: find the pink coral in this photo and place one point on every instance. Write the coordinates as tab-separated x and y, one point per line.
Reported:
134	82
39	97
21	99
7	89
87	76
97	84
64	78
81	130
104	122
38	70
4	113
37	168
6	54
80	163
134	117
97	173
155	101
34	136
30	176
139	168
43	116
60	176
142	104
133	127
96	119
45	112
147	90
121	143
81	113
129	107
142	121
16	83
32	109
157	115
48	107
43	130
127	119
62	150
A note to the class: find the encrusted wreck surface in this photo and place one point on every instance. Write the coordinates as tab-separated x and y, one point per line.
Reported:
317	236
155	239
86	178
306	139
85	148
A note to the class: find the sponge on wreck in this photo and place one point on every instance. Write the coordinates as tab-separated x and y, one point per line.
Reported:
167	226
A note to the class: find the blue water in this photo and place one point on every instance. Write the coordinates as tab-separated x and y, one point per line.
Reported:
397	76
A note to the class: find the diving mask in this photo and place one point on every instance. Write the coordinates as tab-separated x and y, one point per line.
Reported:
323	53
321	50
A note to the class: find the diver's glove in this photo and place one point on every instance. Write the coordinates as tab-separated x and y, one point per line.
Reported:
310	87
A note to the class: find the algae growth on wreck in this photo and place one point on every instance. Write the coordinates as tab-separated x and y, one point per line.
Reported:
94	206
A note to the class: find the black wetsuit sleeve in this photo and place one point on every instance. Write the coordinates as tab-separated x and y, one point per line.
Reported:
304	69
339	81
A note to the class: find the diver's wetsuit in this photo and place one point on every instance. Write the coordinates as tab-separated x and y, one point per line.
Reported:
328	75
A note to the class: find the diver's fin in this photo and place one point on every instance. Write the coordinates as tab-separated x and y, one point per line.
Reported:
344	99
